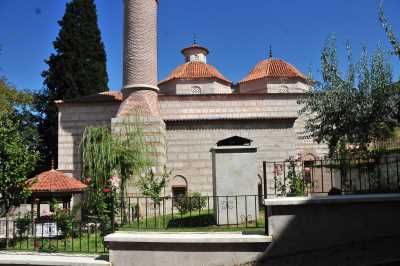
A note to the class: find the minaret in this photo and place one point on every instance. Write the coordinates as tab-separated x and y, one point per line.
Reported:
140	58
140	106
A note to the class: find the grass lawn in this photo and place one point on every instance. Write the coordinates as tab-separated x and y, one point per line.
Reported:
198	221
86	244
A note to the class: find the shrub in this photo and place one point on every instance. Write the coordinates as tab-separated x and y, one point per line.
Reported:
194	202
22	224
334	191
63	219
105	225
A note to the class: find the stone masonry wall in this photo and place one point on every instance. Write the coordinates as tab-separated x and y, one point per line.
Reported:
228	106
73	119
274	86
270	120
189	145
207	86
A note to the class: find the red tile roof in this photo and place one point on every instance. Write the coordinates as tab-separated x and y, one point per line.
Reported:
117	95
194	71
55	181
273	68
195	46
107	96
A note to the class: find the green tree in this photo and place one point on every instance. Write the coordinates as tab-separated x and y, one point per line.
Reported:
17	161
106	155
356	108
77	68
18	144
151	185
388	30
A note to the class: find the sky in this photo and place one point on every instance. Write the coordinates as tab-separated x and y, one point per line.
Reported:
236	32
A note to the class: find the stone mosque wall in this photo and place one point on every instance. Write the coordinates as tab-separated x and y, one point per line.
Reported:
271	121
72	121
194	124
194	87
189	145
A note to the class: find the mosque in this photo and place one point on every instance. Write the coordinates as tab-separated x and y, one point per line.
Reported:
191	109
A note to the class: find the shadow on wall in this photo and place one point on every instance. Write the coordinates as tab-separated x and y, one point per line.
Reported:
352	233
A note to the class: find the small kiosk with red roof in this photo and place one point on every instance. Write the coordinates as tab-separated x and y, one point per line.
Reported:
53	185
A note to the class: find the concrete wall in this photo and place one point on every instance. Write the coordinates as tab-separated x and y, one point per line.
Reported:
189	249
315	225
234	173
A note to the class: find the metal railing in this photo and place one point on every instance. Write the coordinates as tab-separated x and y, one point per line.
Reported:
26	234
332	176
190	213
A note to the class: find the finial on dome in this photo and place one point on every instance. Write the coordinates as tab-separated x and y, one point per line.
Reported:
194	39
270	51
52	164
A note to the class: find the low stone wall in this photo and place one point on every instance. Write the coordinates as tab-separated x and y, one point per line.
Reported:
189	249
322	224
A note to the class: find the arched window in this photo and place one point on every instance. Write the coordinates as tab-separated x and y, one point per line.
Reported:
196	90
179	186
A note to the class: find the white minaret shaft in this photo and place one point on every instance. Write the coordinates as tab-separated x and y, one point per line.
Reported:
140	45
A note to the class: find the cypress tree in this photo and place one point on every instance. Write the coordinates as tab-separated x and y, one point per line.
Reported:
77	68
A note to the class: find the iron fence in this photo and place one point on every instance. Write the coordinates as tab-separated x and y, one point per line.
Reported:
190	213
26	234
332	176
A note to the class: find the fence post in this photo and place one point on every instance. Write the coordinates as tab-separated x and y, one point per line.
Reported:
265	196
7	235
265	179
112	214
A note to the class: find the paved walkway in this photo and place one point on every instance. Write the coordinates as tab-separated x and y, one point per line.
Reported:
35	259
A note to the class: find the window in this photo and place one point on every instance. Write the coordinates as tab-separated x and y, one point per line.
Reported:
284	89
196	90
179	191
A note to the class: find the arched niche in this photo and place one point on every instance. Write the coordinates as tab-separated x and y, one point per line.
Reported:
179	186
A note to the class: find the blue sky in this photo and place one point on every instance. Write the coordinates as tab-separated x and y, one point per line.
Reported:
236	32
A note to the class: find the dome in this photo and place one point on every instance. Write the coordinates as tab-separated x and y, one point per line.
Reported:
195	70
274	68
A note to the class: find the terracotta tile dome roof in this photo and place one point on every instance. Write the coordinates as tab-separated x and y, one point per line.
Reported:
196	70
273	68
195	46
55	181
